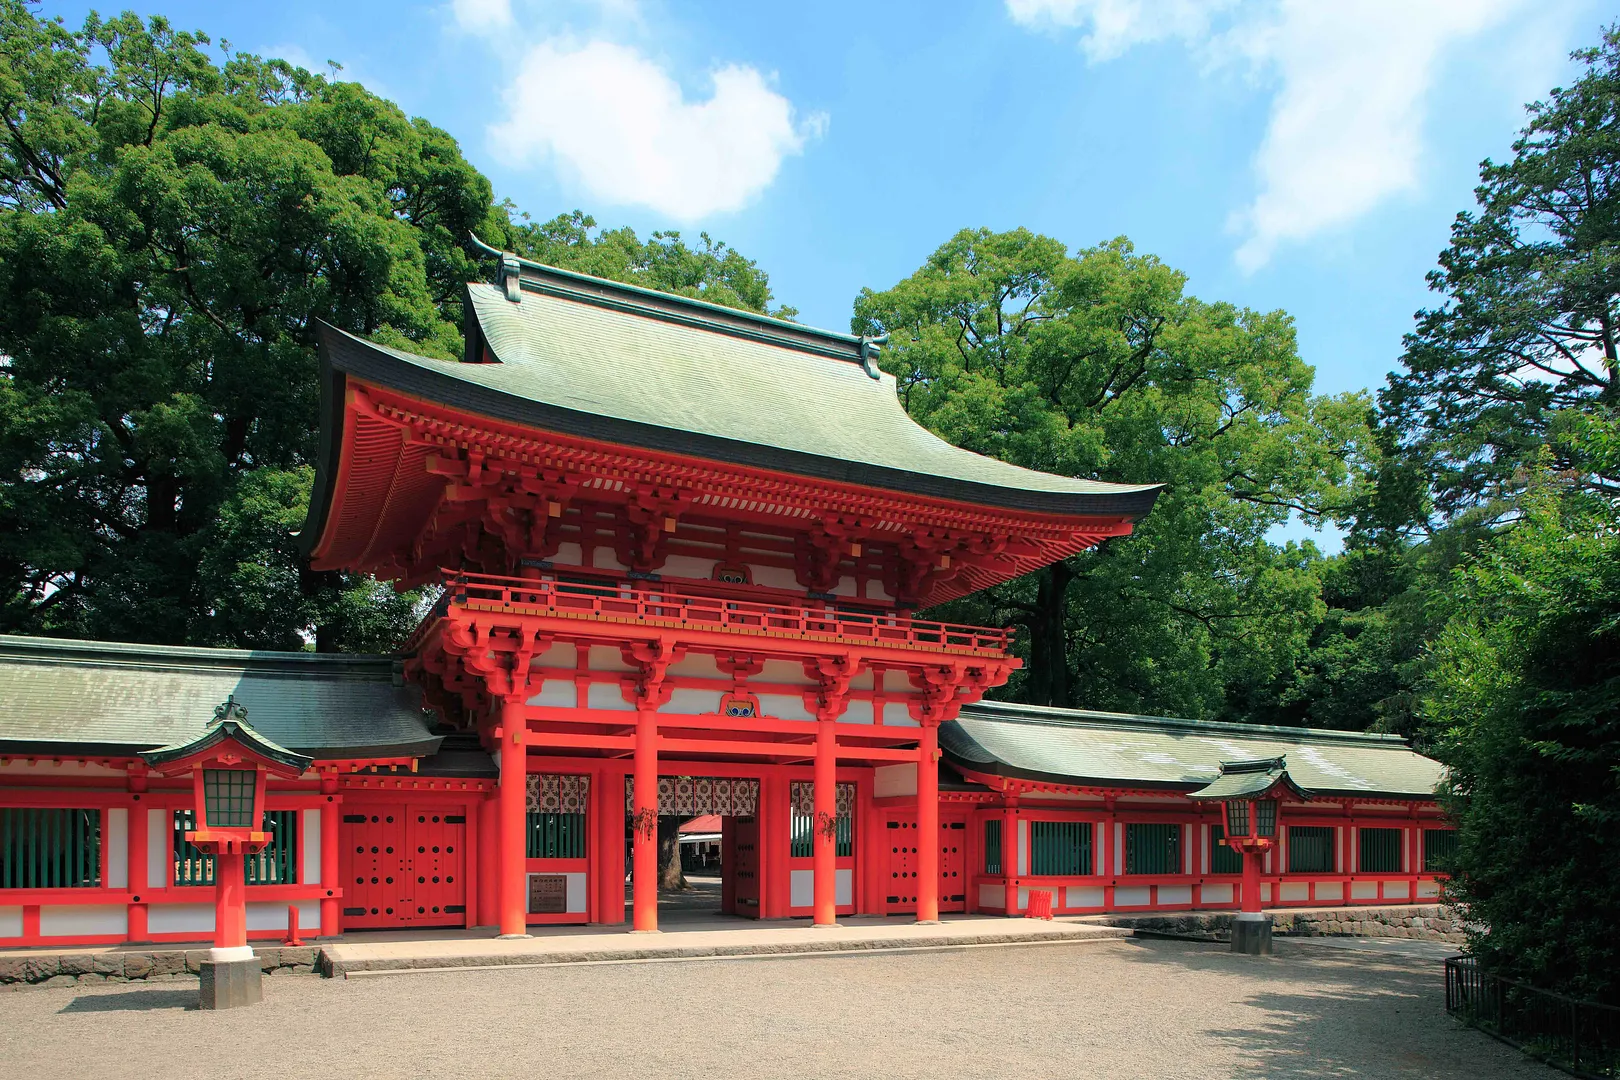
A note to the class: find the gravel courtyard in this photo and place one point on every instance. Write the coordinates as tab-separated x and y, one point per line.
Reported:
1129	1008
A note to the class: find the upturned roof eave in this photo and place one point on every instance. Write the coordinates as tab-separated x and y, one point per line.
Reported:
346	356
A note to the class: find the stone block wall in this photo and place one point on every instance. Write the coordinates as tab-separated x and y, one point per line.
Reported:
1431	922
164	965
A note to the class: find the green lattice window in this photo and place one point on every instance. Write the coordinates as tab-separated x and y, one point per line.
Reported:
556	836
1152	848
50	849
1060	847
276	864
228	795
1439	850
992	846
1310	849
1222	859
803	828
1380	851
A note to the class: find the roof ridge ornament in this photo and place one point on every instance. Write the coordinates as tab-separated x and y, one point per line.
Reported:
229	709
869	347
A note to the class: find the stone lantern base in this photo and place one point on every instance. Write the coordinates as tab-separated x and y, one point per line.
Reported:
231	981
1251	933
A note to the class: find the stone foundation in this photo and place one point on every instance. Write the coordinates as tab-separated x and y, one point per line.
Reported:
1433	922
167	965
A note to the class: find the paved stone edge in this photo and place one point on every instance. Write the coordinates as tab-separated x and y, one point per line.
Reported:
338	966
1433	922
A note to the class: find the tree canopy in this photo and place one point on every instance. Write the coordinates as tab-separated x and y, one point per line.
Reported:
171	231
1099	364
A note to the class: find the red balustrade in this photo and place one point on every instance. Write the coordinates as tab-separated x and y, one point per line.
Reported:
656	604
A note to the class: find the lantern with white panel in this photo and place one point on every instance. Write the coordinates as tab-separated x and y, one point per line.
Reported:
229	763
1251	793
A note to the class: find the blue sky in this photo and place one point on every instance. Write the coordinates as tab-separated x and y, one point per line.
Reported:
1289	154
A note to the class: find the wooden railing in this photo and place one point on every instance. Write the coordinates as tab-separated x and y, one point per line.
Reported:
656	604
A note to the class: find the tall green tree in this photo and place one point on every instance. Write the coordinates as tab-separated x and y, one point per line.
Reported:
1523	703
1529	327
171	231
1099	364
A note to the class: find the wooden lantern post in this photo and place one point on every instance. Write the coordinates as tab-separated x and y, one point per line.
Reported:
229	763
1252	793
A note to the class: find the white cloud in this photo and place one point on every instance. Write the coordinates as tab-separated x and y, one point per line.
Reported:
625	128
1351	77
482	16
1116	25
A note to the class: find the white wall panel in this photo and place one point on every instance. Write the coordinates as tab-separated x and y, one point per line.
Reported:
180	918
1083	896
576	893
157	856
604	558
264	915
1330	890
1131	896
1428	888
1395	890
558	694
83	920
990	896
801	888
607	696
891	781
117	848
697	666
843	887
774	577
607	658
1023	847
10	921
898	714
1296	890
687	566
1216	894
569	554
1179	895
309	847
784	706
1364	890
687	702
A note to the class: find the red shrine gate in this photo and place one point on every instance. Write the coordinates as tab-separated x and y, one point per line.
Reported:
683	541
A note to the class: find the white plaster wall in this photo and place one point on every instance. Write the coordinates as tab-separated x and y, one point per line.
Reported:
802	888
157	857
1216	894
890	781
898	714
1176	894
876	591
687	566
1131	896
1296	890
264	915
896	682
1083	896
180	918
784	706
1338	849
607	696
1363	890
1395	890
845	587
843	887
774	577
1265	893
782	671
607	658
83	920
569	554
10	921
1119	847
558	694
687	702
560	654
1428	888
1023	847
696	665
603	558
309	847
863	681
990	896
1330	890
576	893
117	848
1355	851
1206	844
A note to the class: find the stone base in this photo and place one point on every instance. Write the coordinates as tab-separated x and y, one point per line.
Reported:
227	984
1252	935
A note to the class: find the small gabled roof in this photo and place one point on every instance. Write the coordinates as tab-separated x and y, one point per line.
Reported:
1250	780
61	696
1085	748
597	359
229	730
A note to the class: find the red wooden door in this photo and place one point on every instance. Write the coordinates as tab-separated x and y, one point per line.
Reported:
900	898
953	865
745	866
402	865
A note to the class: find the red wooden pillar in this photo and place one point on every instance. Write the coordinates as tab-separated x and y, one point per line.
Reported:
1251	880
139	831
489	860
331	814
1009	852
928	824
824	831
608	803
513	919
773	845
644	855
230	901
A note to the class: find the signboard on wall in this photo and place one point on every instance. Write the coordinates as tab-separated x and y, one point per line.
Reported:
548	894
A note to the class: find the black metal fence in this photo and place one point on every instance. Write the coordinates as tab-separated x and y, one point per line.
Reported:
1581	1037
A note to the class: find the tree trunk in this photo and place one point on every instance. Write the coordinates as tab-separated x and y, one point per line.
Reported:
670	877
1049	638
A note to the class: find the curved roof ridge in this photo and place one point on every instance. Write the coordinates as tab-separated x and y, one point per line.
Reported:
83	650
1058	716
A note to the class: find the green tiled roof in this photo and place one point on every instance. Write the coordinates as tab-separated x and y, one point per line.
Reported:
217	733
1071	746
586	357
1248	780
60	696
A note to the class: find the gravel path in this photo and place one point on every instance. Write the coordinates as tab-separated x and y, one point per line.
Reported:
1130	1008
